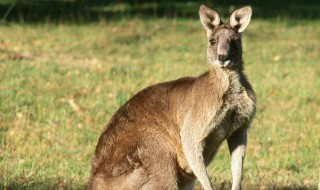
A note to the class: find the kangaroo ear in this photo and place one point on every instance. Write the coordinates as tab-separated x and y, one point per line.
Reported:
240	18
209	17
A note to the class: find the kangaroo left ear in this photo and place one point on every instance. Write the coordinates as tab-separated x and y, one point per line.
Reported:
240	18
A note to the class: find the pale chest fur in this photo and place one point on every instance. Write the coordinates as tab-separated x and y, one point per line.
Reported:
236	110
240	102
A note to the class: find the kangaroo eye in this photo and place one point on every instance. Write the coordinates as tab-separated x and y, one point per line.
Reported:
212	42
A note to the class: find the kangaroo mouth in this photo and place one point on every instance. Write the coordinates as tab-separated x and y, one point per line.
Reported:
226	64
223	64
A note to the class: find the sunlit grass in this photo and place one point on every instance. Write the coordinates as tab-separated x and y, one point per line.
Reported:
59	85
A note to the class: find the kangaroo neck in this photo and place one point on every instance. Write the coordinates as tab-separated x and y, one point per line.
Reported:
219	78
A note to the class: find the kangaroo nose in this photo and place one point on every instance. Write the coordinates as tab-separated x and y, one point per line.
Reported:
222	57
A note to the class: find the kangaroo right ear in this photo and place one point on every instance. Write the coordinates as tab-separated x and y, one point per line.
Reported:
209	17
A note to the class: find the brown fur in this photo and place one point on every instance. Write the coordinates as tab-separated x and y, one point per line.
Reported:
142	145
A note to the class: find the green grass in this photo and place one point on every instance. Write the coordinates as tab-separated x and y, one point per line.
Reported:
60	84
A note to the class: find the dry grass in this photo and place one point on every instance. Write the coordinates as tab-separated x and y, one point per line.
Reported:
59	85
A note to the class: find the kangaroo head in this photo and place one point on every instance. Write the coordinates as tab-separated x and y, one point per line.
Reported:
224	40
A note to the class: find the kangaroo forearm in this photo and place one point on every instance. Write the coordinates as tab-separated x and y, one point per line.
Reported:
194	154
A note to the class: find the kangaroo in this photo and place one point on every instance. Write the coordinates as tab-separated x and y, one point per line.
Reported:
165	136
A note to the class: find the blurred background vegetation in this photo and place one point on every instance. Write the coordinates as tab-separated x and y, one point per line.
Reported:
67	66
94	10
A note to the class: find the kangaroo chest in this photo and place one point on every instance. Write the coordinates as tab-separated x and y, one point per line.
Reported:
236	110
240	109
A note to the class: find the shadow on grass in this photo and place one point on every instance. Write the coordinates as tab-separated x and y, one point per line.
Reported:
226	185
276	187
22	183
80	11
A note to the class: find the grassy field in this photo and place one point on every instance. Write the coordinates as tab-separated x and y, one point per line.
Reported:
60	84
